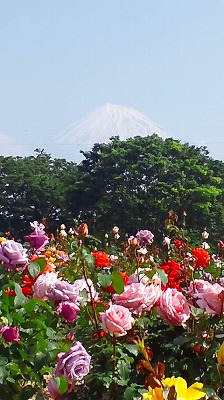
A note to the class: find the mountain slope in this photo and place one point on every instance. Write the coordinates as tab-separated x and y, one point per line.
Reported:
106	121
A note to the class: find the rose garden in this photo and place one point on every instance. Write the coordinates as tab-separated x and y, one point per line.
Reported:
118	318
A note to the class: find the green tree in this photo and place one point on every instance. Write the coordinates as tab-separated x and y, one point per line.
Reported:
33	188
134	183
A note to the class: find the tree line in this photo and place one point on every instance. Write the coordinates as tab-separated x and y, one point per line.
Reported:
131	183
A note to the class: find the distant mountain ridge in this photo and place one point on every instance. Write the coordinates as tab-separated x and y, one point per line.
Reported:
109	120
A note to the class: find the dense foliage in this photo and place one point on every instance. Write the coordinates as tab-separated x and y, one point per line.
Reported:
129	183
133	183
32	188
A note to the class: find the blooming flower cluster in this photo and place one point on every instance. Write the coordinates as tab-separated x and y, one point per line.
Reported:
101	313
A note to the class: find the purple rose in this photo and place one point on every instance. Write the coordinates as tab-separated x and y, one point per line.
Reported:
145	236
68	310
13	255
38	239
53	390
10	333
63	291
74	364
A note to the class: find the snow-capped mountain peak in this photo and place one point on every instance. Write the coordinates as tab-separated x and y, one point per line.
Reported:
109	120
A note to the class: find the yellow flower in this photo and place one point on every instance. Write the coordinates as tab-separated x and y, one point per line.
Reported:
194	391
153	394
220	355
2	239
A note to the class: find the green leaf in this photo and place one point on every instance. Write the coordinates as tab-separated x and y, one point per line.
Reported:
163	276
180	340
62	384
117	282
90	260
34	269
128	394
124	370
132	348
26	393
196	312
104	279
19	299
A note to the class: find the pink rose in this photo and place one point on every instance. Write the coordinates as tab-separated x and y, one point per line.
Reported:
43	283
10	333
173	307
138	297
117	320
68	310
206	295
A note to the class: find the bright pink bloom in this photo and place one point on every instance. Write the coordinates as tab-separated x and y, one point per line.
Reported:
68	310
117	320
173	307
207	296
138	297
10	333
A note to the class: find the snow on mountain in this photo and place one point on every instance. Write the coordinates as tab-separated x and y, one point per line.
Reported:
106	121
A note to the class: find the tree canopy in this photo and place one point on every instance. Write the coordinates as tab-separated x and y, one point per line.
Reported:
131	183
134	183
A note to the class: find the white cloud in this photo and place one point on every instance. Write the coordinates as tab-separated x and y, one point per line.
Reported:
8	146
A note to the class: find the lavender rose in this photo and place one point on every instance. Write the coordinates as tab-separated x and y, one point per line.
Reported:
173	307
145	236
63	291
74	364
13	255
43	284
117	320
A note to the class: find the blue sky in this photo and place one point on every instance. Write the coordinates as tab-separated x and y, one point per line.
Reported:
62	58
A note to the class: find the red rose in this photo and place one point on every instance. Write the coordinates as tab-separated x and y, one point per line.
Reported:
102	259
201	256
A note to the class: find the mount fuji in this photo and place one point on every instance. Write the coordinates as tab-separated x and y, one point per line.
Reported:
106	121
98	126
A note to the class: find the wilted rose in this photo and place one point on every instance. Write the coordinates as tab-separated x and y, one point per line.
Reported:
117	320
10	333
173	307
13	255
74	364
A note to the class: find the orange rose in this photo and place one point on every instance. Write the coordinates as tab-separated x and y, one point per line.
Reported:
102	259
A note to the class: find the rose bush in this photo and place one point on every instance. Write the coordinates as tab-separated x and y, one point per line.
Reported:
79	320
